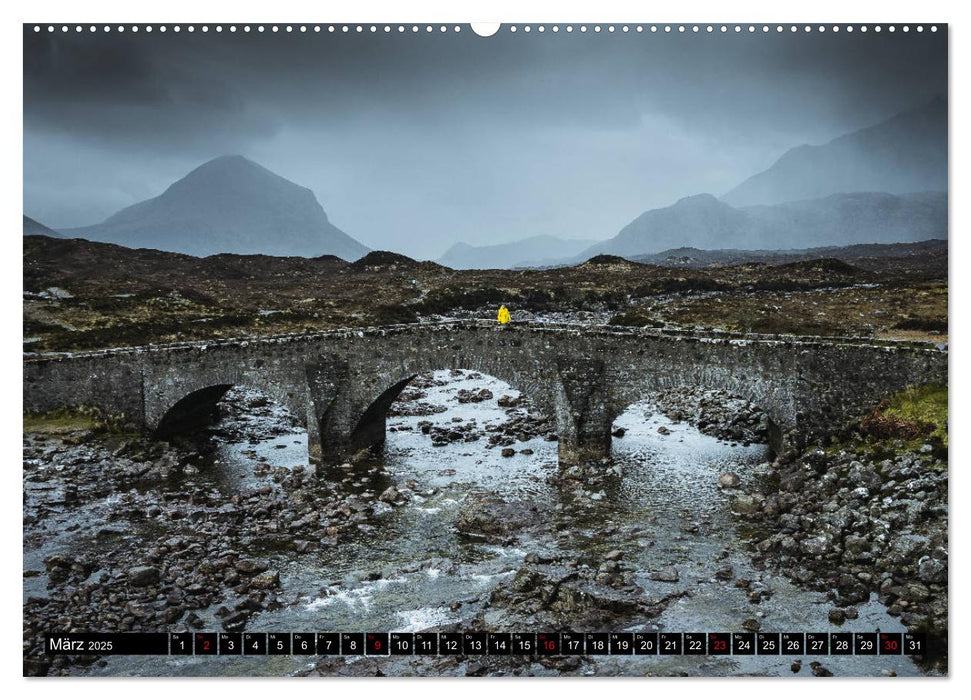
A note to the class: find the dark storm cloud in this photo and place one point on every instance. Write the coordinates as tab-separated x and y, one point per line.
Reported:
458	137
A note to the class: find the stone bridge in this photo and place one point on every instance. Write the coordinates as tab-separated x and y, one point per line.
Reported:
340	384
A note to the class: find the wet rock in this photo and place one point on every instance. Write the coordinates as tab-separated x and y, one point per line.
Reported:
475	668
725	573
391	495
668	575
796	666
663	430
508	452
473	395
819	670
729	480
252	566
59	560
851	590
751	625
58	574
614	555
488	516
561	593
266	580
861	475
236	621
837	616
816	546
745	504
560	663
931	571
855	545
619	432
143	576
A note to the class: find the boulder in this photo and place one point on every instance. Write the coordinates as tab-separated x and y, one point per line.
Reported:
252	566
266	580
667	575
931	571
729	480
143	576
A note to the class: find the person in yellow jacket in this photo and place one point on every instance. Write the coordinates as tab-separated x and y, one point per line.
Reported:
503	316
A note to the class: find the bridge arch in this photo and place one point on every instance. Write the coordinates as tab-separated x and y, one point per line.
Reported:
369	409
772	432
772	394
178	399
194	410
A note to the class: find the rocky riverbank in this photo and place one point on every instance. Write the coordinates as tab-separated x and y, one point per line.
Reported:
866	517
858	523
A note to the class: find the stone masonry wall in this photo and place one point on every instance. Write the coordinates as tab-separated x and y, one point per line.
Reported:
583	377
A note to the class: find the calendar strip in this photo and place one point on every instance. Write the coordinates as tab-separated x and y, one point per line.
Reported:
489	643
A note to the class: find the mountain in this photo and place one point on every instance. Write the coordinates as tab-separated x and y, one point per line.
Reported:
35	228
228	205
906	153
529	252
702	221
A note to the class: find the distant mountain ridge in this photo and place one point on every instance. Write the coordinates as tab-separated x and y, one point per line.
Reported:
228	205
698	258
529	252
704	222
906	153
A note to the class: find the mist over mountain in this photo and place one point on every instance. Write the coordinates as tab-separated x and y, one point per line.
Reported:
36	228
906	153
228	205
529	252
704	222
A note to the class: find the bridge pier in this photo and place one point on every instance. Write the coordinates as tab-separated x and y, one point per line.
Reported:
327	381
583	417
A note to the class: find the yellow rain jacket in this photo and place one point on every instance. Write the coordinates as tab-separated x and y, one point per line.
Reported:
503	315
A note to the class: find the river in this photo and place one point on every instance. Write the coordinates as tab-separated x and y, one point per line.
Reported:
408	569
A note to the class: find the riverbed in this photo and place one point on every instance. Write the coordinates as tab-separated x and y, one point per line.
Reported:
655	541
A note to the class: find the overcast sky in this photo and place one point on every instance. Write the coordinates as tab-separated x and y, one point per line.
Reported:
414	142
